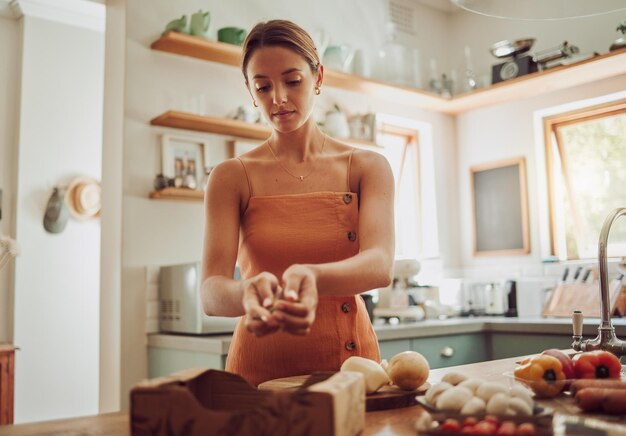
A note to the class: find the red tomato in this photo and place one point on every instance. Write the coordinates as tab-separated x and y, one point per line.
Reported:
507	427
470	420
451	425
526	428
485	427
492	419
597	364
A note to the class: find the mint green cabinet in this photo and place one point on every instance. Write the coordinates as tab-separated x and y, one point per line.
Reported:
388	349
165	361
504	345
441	351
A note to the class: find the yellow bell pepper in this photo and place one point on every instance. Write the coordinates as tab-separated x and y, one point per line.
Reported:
544	374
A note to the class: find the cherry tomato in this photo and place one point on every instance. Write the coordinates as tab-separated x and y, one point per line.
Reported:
451	425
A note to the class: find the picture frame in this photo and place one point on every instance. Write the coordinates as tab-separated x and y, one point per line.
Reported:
237	147
183	156
499	200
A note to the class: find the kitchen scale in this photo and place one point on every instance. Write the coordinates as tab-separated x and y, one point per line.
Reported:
515	65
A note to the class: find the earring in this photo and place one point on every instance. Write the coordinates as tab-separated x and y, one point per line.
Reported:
317	90
254	103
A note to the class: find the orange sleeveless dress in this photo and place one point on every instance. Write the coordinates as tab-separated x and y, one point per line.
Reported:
276	232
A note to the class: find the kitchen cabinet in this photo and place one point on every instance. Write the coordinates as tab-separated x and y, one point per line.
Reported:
597	68
443	342
7	375
441	351
165	361
505	345
390	348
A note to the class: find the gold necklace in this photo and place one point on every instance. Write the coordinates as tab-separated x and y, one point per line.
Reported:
301	178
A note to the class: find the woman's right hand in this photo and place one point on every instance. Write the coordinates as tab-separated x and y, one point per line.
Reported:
258	296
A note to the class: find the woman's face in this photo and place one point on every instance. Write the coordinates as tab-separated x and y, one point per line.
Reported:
282	84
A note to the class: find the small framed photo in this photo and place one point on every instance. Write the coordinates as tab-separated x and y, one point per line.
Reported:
183	157
241	146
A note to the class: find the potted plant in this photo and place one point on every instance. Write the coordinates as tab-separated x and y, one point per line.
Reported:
621	41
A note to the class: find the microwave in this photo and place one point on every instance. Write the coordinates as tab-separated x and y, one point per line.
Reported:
180	307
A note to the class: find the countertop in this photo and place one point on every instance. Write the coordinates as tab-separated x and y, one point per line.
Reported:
387	422
219	344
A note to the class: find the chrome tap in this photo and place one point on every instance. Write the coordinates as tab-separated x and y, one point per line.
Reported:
606	339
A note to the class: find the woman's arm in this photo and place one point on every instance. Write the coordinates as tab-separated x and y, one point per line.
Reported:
373	266
222	295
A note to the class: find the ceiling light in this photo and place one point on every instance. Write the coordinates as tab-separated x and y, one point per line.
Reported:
541	9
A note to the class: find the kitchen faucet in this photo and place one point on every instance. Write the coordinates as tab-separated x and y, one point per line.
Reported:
606	339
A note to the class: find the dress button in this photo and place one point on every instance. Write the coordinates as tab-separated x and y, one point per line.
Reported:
350	345
351	235
345	307
347	198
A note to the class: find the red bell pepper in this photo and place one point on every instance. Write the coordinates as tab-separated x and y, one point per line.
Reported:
597	364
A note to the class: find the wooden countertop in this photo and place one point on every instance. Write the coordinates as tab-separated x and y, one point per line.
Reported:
387	422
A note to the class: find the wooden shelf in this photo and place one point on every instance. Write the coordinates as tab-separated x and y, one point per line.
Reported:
196	47
229	54
565	76
597	68
220	126
229	127
178	194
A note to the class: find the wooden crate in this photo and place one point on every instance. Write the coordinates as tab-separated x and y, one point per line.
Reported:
211	402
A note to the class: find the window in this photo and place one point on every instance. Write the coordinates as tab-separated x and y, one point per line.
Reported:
401	150
586	162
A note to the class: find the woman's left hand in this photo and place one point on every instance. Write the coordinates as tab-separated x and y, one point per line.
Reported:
295	311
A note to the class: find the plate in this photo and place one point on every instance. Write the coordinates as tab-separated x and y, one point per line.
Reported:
540	414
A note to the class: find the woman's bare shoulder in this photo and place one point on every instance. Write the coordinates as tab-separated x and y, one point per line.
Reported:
369	160
228	175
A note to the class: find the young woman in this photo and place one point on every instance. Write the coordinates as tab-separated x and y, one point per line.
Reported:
309	219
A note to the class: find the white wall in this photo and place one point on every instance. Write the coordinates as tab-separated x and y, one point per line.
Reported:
502	132
9	53
58	275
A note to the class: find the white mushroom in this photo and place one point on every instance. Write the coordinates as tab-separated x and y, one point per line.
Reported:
454	378
454	399
489	389
472	383
520	407
435	390
474	406
498	404
521	392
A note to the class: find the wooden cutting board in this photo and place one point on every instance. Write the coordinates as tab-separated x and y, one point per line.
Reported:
387	397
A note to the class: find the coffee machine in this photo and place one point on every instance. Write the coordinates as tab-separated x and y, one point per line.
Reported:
394	300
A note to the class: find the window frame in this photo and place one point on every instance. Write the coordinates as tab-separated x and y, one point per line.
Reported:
551	140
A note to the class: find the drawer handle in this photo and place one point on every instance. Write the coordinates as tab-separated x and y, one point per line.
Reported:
447	352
